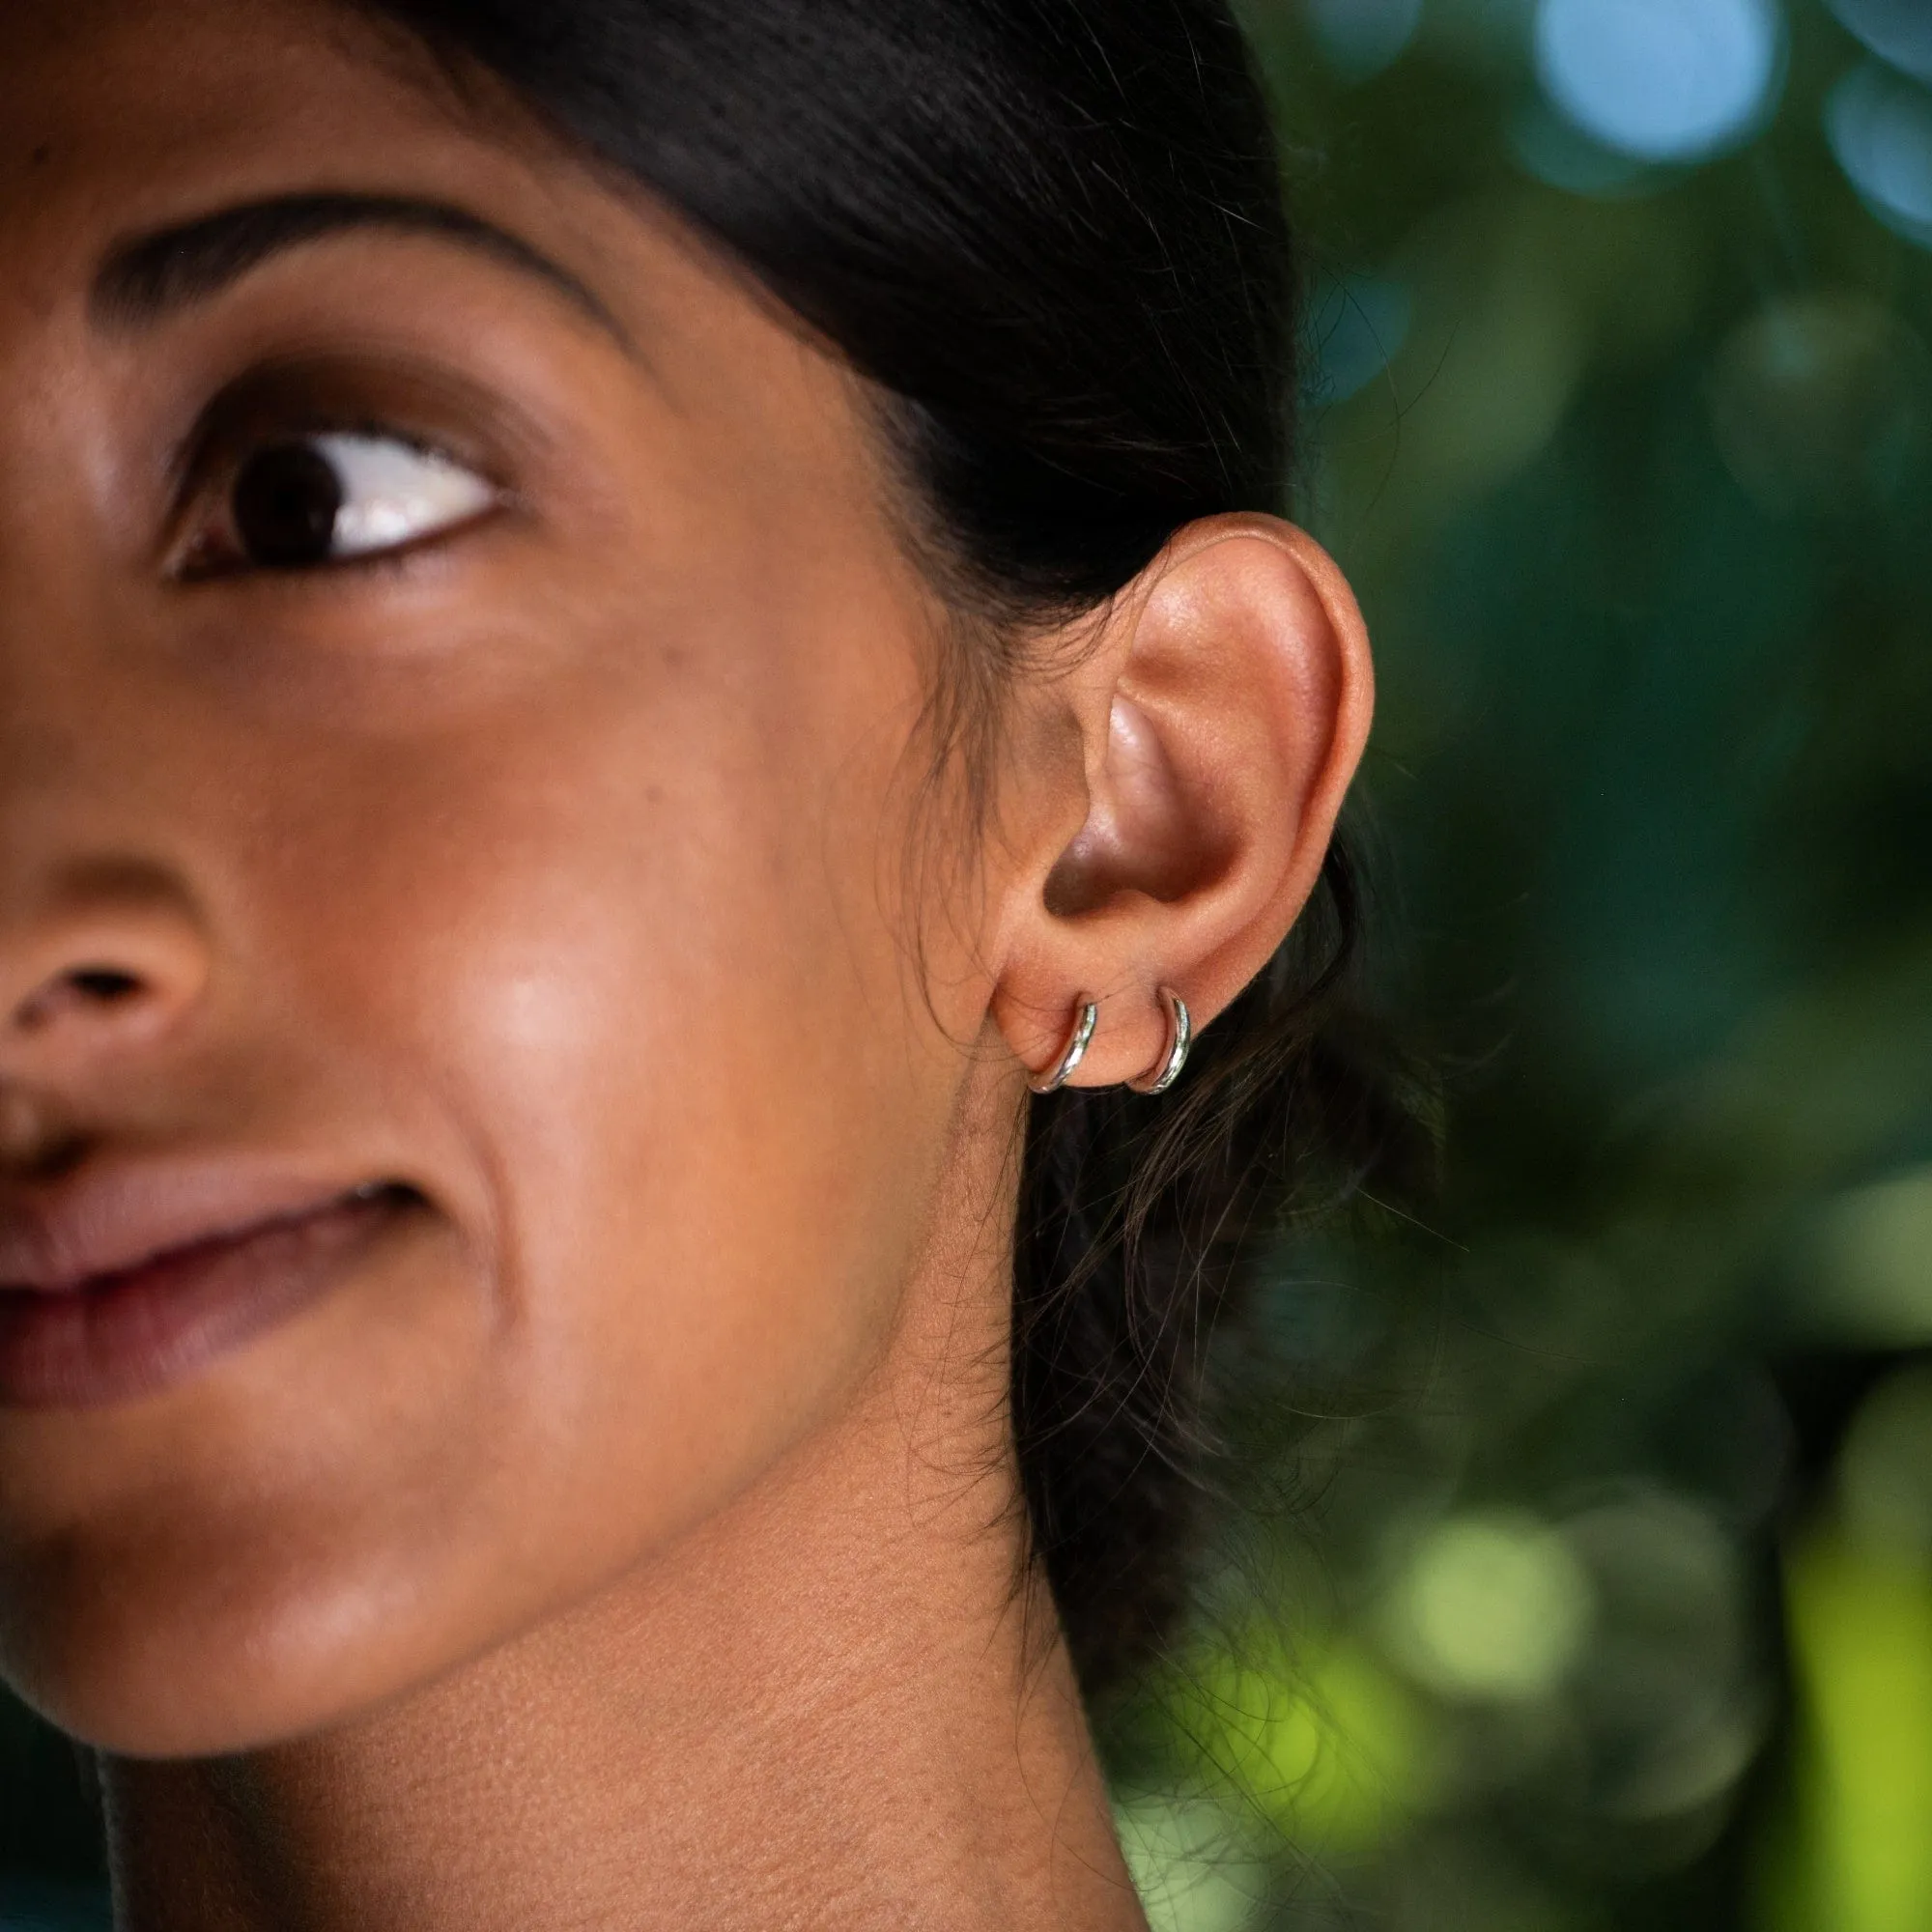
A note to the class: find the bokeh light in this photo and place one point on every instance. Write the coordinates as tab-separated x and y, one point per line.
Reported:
1359	323
1555	150
1885	1468
1871	1260
1899	31
1661	80
1195	1869
1359	37
1311	1733
1667	1689
1490	1606
1861	1859
1880	127
1823	402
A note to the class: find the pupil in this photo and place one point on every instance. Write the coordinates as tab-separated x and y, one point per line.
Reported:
286	503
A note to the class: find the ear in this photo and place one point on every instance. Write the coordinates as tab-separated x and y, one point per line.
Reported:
1220	717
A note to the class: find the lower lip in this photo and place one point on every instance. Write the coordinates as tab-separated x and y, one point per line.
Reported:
134	1334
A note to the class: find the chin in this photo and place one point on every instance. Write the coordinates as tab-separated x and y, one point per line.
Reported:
166	1661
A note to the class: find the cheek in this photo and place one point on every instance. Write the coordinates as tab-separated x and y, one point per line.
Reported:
645	973
705	1188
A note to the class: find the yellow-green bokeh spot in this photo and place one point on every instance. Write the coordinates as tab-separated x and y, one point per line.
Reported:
1490	1606
1321	1740
1857	1856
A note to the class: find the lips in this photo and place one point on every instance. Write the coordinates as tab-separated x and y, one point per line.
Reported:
122	1285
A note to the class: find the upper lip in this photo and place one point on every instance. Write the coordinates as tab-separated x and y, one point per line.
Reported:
108	1222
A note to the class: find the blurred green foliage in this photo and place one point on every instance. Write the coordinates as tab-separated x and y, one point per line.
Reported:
1596	1557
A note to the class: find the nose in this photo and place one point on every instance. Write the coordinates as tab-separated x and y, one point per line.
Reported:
93	980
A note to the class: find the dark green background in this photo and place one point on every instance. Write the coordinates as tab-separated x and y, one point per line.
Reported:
1597	1591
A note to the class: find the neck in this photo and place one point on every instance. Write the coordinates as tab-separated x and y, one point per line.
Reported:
835	1704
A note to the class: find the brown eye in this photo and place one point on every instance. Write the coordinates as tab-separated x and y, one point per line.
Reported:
286	503
330	499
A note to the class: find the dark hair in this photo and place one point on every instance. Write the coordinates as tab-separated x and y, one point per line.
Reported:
1051	233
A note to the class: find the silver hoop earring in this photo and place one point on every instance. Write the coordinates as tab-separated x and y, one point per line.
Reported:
1179	1038
1077	1043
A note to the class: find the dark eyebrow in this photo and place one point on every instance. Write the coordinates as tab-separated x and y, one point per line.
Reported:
147	278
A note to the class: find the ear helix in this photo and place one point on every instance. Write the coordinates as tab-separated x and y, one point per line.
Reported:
1165	1071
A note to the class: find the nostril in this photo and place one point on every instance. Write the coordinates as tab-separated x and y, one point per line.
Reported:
79	991
110	965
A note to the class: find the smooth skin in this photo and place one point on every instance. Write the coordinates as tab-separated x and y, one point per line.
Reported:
631	1539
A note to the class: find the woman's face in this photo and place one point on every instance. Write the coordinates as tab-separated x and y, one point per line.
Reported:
458	687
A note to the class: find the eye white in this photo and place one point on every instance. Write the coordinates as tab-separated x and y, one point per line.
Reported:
394	493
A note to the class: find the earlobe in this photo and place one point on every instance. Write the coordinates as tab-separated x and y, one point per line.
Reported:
1225	714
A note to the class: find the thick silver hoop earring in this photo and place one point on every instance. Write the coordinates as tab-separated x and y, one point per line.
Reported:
1077	1043
1179	1038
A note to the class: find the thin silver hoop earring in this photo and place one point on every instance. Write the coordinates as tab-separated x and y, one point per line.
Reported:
1179	1038
1077	1043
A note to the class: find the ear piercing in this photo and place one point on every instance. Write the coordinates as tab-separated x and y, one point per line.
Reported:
1179	1038
1075	1050
1166	1070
